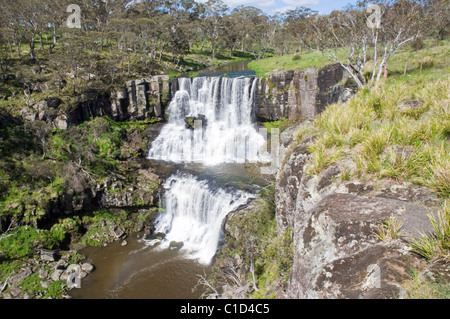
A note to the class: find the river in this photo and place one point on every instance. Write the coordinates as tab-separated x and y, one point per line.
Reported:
198	197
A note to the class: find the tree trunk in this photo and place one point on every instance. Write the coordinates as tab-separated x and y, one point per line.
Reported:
213	49
374	70
41	41
32	45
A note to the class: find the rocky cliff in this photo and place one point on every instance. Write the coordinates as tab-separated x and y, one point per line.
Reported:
301	93
335	225
138	100
288	94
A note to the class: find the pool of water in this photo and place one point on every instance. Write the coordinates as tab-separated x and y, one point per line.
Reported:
140	271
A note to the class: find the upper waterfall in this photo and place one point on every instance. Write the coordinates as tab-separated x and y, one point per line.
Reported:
211	121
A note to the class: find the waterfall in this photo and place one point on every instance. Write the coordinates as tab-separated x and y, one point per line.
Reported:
194	211
224	130
211	121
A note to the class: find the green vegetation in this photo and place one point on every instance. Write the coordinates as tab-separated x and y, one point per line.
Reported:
396	130
36	177
390	229
264	253
419	287
437	246
290	62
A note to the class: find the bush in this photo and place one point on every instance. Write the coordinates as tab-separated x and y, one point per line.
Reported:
417	44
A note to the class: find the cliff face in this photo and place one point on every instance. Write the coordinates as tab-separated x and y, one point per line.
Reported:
289	94
137	100
299	94
337	253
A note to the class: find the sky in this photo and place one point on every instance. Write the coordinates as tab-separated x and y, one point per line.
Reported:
272	6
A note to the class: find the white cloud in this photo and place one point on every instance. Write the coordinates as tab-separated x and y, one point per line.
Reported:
284	9
267	3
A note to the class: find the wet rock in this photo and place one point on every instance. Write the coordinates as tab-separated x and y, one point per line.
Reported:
57	274
176	244
48	255
156	236
192	120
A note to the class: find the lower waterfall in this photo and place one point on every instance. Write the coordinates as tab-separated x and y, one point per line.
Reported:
194	214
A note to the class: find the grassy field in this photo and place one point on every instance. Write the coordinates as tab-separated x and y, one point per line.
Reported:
307	59
423	61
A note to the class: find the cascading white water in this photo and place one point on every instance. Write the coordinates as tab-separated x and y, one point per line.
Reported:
227	134
194	213
194	210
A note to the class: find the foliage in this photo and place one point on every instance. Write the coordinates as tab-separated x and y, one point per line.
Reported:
420	287
390	229
387	138
266	254
436	246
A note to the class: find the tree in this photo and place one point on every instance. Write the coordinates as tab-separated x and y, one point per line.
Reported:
40	131
349	30
297	24
213	22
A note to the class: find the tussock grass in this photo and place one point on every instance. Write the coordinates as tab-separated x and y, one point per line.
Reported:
419	287
387	135
390	229
436	246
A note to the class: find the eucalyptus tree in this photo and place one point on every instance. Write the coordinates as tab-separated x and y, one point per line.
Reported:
213	26
384	26
297	23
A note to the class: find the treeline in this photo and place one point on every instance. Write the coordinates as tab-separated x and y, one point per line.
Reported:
122	36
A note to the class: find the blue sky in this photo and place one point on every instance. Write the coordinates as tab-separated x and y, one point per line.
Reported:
271	6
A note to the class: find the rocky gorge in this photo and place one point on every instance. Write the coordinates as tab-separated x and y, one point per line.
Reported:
327	224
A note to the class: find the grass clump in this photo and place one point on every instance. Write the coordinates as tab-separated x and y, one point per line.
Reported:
436	246
390	229
420	287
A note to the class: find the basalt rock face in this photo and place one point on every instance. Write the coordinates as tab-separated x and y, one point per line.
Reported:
300	94
337	251
138	100
142	99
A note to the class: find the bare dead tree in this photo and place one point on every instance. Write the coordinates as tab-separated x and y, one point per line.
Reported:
386	25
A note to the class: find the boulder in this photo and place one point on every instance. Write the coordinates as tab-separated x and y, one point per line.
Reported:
87	267
48	255
56	275
176	245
